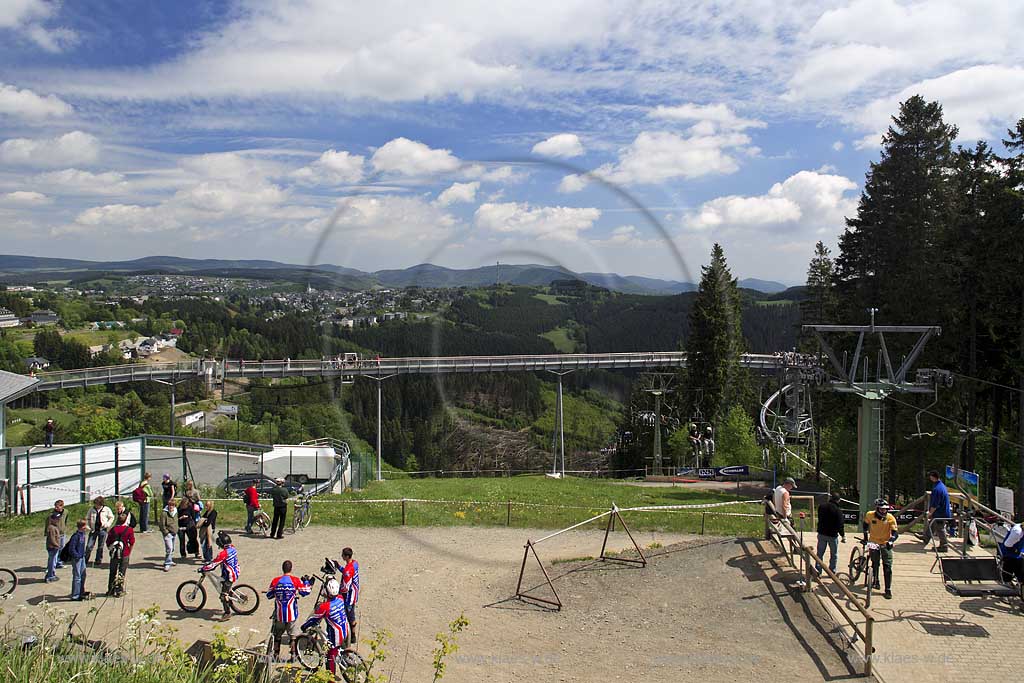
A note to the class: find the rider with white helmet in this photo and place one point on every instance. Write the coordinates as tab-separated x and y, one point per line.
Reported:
332	611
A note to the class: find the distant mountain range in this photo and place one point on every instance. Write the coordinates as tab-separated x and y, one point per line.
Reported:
23	269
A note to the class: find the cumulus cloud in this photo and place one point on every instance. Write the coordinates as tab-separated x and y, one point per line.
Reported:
982	100
23	198
563	145
574	182
623	236
388	218
69	149
655	157
77	181
28	105
403	156
556	223
838	146
332	168
707	118
32	19
458	192
807	200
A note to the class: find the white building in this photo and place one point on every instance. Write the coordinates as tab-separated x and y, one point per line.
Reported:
8	319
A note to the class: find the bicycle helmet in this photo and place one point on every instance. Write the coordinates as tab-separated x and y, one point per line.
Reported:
882	504
223	539
333	588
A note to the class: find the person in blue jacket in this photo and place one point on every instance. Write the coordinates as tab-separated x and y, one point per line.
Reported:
76	549
938	508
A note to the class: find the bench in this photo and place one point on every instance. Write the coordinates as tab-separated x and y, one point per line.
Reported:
976	577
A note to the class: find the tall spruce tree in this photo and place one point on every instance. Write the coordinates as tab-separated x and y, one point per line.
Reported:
716	339
821	303
889	252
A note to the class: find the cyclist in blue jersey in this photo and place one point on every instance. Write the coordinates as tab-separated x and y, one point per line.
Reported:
332	611
229	569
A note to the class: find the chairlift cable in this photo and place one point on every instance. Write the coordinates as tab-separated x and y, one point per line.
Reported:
954	422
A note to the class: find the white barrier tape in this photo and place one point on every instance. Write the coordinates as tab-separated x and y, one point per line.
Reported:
654	508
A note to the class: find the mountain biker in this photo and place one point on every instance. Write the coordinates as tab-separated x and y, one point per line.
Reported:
1011	551
350	588
333	610
229	569
285	591
880	527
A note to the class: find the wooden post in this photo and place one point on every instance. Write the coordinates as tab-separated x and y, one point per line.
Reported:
403	512
869	649
508	514
702	516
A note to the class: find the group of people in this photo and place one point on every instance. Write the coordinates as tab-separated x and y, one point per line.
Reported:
279	498
702	445
881	529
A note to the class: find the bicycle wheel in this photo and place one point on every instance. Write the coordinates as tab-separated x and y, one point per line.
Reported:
296	520
307	516
191	596
856	565
263	523
307	649
8	582
351	666
245	599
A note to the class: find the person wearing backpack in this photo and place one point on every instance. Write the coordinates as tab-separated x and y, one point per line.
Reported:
121	509
187	541
120	541
76	556
143	496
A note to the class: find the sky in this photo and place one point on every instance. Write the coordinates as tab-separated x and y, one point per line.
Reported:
621	136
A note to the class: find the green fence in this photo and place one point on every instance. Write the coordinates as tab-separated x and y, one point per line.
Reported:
364	469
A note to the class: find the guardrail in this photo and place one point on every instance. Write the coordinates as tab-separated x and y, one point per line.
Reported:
773	524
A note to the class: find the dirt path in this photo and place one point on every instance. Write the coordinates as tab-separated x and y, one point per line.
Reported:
704	608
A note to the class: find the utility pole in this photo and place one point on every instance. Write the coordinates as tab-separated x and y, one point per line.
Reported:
559	425
663	380
173	384
380	423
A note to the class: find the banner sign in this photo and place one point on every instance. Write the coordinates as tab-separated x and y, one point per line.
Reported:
712	472
1004	501
902	516
192	418
968	480
226	409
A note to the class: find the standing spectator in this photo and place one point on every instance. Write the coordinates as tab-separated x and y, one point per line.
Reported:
58	509
119	541
252	503
99	519
49	429
121	509
190	490
186	528
781	499
938	508
285	591
52	546
77	552
350	589
830	528
168	526
207	526
279	494
169	489
143	495
880	527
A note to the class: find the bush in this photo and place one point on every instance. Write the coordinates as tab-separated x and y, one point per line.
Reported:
735	443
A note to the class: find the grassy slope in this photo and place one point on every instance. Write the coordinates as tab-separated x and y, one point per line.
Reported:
560	338
484	502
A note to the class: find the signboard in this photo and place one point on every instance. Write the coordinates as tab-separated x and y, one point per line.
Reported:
712	472
1004	501
227	409
192	418
968	480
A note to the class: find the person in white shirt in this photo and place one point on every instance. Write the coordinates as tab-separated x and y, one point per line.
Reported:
99	521
781	498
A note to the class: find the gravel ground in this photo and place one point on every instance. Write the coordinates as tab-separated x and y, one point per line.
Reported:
704	608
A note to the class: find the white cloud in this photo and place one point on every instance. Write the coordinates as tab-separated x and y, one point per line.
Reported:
557	223
123	218
29	17
563	145
458	192
69	149
838	146
501	174
832	72
388	218
408	157
981	100
624	236
28	105
77	181
333	168
23	198
708	118
574	182
808	200
654	157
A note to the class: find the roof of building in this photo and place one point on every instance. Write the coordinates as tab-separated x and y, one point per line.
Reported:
14	386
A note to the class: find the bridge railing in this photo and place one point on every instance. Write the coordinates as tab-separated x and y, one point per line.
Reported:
117	373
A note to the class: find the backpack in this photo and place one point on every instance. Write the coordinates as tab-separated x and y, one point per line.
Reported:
117	547
138	495
65	553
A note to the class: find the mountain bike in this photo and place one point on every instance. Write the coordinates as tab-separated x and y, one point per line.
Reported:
261	520
8	581
303	513
311	648
860	564
242	598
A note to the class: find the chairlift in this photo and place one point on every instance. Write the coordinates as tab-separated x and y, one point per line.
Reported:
917	419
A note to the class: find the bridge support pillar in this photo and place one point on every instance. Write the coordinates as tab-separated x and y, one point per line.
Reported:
869	450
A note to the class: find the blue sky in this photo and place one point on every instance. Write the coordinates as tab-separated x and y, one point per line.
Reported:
382	135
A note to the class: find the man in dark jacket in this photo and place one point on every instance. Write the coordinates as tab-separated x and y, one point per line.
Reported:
77	552
830	529
279	494
120	541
